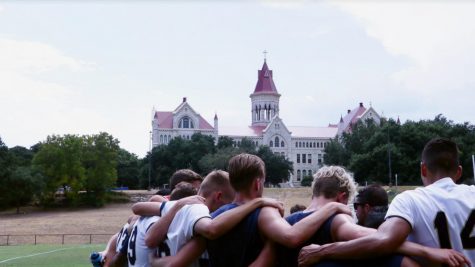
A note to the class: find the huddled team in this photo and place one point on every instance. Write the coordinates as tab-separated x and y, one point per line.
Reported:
223	220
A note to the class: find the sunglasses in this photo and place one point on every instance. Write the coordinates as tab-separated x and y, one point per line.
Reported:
355	205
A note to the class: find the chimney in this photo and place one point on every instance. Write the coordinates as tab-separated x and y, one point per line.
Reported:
349	111
361	104
184	99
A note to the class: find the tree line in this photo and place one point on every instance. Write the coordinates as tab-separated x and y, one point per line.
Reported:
73	170
377	153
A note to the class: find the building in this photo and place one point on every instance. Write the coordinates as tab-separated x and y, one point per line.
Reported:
303	145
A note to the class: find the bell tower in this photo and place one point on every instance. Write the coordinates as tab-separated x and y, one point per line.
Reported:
265	98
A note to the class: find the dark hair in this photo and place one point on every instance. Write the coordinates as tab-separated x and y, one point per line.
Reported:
440	155
184	175
297	207
217	180
373	195
182	190
243	169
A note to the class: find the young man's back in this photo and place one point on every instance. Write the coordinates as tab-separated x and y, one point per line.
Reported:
243	243
441	215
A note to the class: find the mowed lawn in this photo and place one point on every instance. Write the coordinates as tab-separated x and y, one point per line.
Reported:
47	255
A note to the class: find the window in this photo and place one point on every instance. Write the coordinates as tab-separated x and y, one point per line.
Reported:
186	123
296	144
298	175
169	138
310	144
319	158
304	157
282	154
307	144
300	144
271	144
304	173
310	172
298	158
161	139
276	141
318	145
309	158
313	144
281	143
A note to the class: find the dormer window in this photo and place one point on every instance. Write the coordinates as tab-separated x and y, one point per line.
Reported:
186	123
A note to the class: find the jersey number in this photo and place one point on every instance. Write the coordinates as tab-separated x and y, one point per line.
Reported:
440	223
131	251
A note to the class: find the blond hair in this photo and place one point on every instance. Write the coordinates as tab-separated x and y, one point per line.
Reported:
330	180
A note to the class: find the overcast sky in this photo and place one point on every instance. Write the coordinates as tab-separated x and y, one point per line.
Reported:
82	67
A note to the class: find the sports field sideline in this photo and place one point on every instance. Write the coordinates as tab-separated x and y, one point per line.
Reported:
47	255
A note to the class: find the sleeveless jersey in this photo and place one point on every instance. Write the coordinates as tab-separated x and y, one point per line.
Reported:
122	240
441	215
288	256
138	252
240	246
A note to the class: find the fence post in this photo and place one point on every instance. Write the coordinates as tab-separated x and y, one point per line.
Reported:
90	239
35	239
8	238
63	240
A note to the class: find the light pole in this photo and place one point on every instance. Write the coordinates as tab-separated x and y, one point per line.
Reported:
473	166
149	160
389	157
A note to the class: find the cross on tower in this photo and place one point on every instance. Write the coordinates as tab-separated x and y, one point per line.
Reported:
265	55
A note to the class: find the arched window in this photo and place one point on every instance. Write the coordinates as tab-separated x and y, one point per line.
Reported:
186	123
296	144
282	143
276	141
307	144
313	144
161	139
310	172
300	144
298	175
271	144
169	138
304	173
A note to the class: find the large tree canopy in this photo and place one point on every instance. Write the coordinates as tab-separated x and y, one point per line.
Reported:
379	153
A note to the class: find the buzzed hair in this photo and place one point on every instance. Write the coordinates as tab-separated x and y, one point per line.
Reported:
243	169
373	195
217	180
184	175
330	180
441	155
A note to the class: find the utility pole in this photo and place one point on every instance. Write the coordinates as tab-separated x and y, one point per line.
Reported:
473	166
149	160
389	158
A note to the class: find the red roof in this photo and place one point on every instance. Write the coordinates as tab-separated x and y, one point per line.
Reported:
165	121
351	118
265	84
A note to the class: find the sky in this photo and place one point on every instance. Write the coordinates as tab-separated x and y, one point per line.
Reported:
84	67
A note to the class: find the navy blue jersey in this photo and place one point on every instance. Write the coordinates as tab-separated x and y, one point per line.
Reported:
288	256
240	246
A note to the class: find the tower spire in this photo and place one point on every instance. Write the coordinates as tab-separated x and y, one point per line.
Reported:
265	55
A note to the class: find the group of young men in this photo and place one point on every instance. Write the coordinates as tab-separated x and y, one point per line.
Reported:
229	223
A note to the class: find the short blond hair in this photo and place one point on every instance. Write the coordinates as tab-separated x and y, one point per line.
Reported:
330	180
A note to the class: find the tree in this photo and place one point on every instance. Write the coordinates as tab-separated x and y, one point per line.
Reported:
128	169
225	141
307	181
278	167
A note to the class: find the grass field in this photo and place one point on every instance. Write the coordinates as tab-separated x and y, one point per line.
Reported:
47	255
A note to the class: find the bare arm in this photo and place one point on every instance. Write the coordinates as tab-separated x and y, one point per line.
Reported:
147	208
158	232
185	256
344	229
278	230
212	229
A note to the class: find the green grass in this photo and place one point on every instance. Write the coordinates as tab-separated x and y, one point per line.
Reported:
47	255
